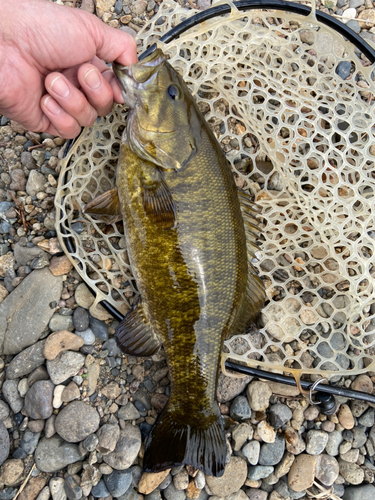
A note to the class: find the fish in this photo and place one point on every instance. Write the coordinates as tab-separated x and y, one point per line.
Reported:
191	238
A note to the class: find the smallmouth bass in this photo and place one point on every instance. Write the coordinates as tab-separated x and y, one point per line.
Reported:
190	247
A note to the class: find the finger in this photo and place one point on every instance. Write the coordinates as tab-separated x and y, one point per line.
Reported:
110	77
70	99
64	124
96	88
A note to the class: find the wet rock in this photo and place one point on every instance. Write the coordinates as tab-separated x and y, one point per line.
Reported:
12	472
231	481
279	415
228	387
301	474
251	452
53	454
38	401
11	396
240	409
150	481
76	421
272	453
126	450
118	482
107	436
36	292
26	361
4	443
316	442
61	341
65	365
258	394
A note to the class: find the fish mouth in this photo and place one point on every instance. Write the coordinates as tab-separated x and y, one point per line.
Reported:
139	76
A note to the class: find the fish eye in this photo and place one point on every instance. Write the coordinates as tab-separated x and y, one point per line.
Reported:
173	92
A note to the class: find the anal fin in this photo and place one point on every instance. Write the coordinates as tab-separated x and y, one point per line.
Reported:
134	335
105	207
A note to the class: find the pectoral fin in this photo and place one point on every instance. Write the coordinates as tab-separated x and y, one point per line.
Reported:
158	203
105	207
134	335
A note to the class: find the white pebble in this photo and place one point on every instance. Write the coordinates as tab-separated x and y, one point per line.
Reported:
57	401
349	14
23	387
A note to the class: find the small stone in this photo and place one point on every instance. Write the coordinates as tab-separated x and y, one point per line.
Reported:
271	453
255	494
45	494
34	485
81	319
23	387
91	442
365	492
11	396
100	490
240	435
258	394
181	480
57	401
111	391
294	442
118	482
83	296
200	480
307	36
316	442
59	322
126	450
49	429
87	336
301	474
251	452
108	436
279	415
128	412
350	456
12	472
6	262
88	5
18	180
326	469
57	489
70	392
366	18
35	182
362	383
26	361
284	466
344	67
334	440
73	490
171	493
53	454
259	472
99	328
368	418
352	473
93	370
60	265
239	409
65	365
328	426
228	387
266	432
231	481
76	421
359	437
311	413
150	481
345	417
61	341
4	410
36	426
29	441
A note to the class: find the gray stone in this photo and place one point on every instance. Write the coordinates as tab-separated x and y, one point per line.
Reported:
65	365
35	183
343	69
107	437
316	442
35	293
154	495
272	453
111	346
251	452
38	400
27	160
128	412
53	454
25	254
257	494
326	469
171	493
99	328
241	434
39	373
126	450
354	4
363	492
359	437
259	472
231	481
29	441
26	361
77	421
4	410
11	395
334	440
258	394
100	490
73	490
368	418
228	387
59	322
87	335
57	489
352	473
118	482
279	415
18	180
80	319
354	25
240	409
4	443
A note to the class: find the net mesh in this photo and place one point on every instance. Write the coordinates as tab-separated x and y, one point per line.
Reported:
291	103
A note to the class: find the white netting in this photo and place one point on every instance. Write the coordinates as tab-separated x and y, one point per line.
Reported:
300	138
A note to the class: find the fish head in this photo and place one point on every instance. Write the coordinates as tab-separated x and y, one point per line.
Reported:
163	123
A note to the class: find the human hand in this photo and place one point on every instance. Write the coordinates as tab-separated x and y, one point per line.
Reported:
53	77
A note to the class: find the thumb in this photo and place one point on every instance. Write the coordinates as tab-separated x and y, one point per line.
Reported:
113	44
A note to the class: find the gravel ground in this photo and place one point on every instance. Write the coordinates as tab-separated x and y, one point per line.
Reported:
74	412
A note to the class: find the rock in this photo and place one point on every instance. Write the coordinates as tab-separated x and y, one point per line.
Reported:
259	472
126	450
35	293
26	361
171	493
301	474
366	19
38	401
70	392
108	436
4	443
60	265
6	262
255	494
128	412
36	426
231	481
326	469
112	347
344	67
99	328
34	485
65	365
111	391
88	5
73	490
45	494
251	452
294	442
59	322
279	415
359	437
271	453
61	341
3	293
352	473
23	387
365	492
93	369
228	387
11	396
311	413
284	466
4	410
25	255
334	440
18	180
76	421
80	319
29	441
12	472
150	481
118	482
90	477
87	336
258	394
316	442
53	454
91	442
181	480
345	417
240	435
100	490
57	393
266	433
83	296
39	373
49	429
35	183
57	489
368	418
239	409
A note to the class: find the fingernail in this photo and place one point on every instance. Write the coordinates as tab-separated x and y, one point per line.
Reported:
60	87
92	79
52	106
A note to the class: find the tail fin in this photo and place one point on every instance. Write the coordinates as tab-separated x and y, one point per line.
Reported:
170	444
